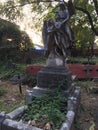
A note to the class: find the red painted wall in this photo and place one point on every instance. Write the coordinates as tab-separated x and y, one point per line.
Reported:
79	70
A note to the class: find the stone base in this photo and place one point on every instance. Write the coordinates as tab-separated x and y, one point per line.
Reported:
54	77
50	79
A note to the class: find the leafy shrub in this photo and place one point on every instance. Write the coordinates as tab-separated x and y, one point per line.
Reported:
46	109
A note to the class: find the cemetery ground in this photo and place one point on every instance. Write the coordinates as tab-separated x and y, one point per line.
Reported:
10	98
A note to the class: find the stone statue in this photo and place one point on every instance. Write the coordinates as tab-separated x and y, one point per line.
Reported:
57	34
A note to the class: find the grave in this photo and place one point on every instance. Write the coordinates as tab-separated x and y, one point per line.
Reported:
55	75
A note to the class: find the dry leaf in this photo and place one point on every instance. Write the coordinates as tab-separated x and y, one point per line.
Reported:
92	125
47	126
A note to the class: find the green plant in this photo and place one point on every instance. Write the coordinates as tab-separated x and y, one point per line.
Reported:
2	91
47	108
8	73
77	125
84	84
30	80
13	107
20	68
1	104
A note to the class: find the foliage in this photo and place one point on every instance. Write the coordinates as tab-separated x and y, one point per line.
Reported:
2	91
15	106
84	84
30	80
47	108
11	106
12	40
82	60
8	73
84	23
1	103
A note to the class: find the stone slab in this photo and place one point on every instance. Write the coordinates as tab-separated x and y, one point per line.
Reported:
72	110
2	118
14	125
16	113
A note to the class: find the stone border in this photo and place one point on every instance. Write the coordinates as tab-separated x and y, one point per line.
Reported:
7	120
73	110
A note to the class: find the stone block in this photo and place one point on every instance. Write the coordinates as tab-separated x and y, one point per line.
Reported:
49	77
16	113
14	125
2	118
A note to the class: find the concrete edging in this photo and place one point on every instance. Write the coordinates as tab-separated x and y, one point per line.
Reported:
7	120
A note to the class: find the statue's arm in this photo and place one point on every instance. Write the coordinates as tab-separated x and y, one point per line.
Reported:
67	17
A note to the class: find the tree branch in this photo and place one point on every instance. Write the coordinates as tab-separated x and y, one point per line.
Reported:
34	1
89	18
96	6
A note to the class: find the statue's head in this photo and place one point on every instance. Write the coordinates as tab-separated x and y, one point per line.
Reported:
62	5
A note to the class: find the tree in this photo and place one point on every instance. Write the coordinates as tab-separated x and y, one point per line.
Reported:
12	9
90	9
12	39
84	23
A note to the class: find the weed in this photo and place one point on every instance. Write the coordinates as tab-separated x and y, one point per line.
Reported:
13	107
6	74
77	125
47	108
84	84
1	103
2	91
31	81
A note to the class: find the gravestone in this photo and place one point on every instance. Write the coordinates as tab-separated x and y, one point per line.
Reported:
58	38
54	74
51	76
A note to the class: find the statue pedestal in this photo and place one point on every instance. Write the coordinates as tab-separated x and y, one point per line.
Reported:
54	76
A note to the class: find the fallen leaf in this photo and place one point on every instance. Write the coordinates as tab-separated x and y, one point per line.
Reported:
47	126
92	125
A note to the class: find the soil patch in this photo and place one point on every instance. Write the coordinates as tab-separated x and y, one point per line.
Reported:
89	109
11	97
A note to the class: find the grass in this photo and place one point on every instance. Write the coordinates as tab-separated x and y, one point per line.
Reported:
10	108
39	61
2	91
10	98
84	84
81	59
13	107
8	73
